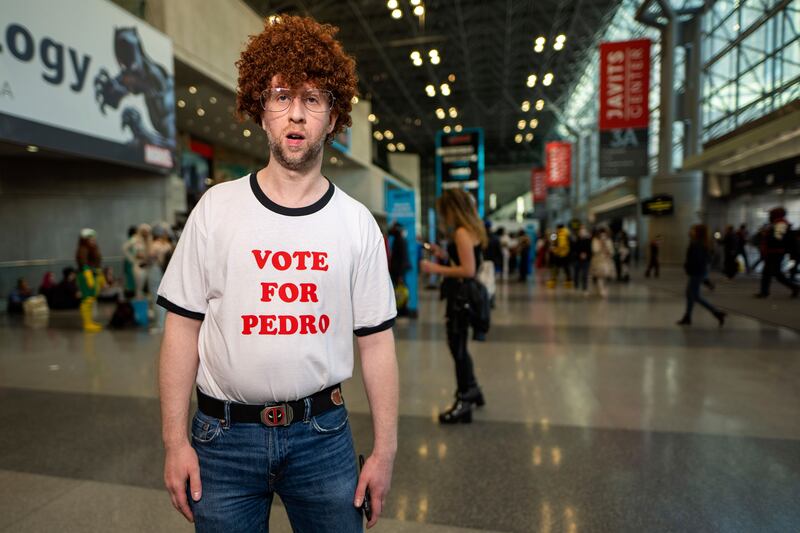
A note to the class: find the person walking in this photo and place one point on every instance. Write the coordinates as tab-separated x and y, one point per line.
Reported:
524	249
458	213
778	240
696	267
583	258
272	276
730	249
602	263
741	246
653	263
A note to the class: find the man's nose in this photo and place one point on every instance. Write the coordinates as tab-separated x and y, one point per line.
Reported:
297	110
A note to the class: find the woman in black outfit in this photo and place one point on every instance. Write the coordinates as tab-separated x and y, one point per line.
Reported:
696	267
467	236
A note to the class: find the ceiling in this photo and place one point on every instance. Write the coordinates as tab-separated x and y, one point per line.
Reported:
488	47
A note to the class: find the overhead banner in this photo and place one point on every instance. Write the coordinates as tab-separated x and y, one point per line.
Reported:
538	186
624	108
558	162
87	78
460	163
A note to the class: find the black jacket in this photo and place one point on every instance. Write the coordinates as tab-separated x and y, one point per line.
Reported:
696	263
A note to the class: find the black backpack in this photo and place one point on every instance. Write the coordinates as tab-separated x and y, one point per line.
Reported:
123	316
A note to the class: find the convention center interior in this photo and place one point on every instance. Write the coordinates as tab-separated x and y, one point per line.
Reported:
418	266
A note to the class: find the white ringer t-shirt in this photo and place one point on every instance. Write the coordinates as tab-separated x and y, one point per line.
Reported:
280	290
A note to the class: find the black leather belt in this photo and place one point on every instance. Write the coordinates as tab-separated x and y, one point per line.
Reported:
273	414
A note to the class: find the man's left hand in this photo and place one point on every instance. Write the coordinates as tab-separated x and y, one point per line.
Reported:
377	475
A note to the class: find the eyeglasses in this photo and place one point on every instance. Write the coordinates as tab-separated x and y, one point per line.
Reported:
279	99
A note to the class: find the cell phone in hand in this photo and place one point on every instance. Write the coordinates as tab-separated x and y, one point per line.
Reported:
365	505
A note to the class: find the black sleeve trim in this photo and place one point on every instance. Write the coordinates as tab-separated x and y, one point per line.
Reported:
363	332
178	310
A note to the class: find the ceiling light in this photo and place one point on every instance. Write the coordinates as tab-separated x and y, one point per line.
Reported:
539	105
392	4
538	49
540	40
213	99
445	89
532	80
561	38
430	90
391	147
334	160
417	62
458	128
378	135
401	147
548	79
181	104
415	55
274	19
518	138
435	60
453	112
396	14
526	106
451	78
558	46
447	129
246	133
534	123
440	113
528	137
419	11
521	125
200	111
32	148
415	2
418	122
388	134
433	52
354	100
192	89
371	117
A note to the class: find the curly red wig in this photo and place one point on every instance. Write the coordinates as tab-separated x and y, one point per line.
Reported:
299	50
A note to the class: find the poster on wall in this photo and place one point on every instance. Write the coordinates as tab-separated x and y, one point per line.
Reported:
624	108
538	186
401	211
558	164
103	91
460	163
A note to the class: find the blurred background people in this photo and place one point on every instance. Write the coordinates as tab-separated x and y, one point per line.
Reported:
17	297
159	256
777	241
137	251
583	258
602	262
730	249
653	263
559	256
90	277
457	212
524	255
696	267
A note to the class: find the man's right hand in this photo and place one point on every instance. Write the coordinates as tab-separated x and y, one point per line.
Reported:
181	464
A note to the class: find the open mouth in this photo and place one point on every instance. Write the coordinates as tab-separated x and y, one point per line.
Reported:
295	137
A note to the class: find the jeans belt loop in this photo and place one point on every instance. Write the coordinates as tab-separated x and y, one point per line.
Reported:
307	413
227	422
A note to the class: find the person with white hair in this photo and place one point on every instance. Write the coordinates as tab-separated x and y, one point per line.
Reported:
137	250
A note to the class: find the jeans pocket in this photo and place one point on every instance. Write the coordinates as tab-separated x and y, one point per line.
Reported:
330	422
205	428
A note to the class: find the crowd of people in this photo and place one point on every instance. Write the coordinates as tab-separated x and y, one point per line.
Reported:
146	253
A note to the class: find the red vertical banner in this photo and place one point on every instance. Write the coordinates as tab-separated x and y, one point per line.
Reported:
538	186
624	84
558	157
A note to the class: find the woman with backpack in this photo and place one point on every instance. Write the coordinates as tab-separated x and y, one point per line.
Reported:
467	236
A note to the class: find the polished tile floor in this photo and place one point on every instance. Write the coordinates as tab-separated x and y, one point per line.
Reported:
601	416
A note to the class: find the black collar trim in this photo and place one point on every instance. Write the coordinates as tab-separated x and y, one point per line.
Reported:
290	211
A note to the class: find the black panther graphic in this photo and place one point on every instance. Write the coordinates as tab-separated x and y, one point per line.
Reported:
139	74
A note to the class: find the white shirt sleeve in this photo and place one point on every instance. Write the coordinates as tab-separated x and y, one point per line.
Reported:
374	307
184	288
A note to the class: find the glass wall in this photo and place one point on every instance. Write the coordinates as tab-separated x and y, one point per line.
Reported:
751	61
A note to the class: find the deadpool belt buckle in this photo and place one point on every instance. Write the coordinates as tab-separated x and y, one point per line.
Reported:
277	415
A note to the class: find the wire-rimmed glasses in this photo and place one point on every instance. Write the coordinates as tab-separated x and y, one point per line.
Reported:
279	99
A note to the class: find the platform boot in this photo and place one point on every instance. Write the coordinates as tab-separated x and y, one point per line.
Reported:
474	395
460	412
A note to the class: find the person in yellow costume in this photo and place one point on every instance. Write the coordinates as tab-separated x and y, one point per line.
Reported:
559	256
90	277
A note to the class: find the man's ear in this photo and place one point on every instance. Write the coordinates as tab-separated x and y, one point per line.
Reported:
332	123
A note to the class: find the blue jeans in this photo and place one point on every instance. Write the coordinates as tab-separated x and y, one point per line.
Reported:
309	464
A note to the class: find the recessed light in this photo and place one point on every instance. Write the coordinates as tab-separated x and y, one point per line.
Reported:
201	112
192	89
419	11
447	129
396	14
388	134
401	147
458	128
371	117
246	133
213	99
32	148
391	147
181	103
